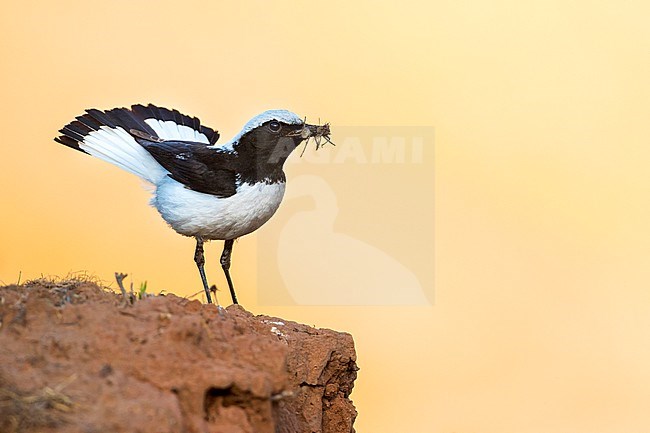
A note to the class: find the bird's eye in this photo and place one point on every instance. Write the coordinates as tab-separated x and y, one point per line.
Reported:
274	126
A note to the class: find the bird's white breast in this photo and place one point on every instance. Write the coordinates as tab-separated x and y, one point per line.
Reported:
193	213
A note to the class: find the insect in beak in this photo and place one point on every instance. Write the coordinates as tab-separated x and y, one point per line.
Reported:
318	133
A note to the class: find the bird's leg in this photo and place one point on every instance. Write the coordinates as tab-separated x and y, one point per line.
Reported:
225	264
200	261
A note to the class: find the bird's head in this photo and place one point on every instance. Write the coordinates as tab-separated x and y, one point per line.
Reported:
274	134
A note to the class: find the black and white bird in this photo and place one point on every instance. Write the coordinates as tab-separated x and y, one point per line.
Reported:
203	190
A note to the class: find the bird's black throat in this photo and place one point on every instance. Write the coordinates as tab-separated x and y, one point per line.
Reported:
260	158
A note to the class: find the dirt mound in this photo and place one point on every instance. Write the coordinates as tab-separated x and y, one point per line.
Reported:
76	358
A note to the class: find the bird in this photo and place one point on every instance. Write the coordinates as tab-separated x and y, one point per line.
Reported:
201	189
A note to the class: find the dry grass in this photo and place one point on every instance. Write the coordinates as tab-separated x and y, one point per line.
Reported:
23	411
73	279
65	287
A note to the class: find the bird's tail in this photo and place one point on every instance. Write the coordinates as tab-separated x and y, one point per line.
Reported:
109	135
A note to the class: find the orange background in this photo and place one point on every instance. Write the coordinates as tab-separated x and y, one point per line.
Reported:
541	110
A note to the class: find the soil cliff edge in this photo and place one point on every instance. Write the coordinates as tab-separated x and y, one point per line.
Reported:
77	358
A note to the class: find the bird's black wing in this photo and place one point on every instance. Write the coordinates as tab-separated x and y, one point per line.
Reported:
195	165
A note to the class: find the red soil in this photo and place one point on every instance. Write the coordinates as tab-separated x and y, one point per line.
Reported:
77	358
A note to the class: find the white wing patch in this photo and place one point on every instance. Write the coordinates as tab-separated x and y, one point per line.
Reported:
170	130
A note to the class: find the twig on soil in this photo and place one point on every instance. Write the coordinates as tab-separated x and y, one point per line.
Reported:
120	278
194	294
